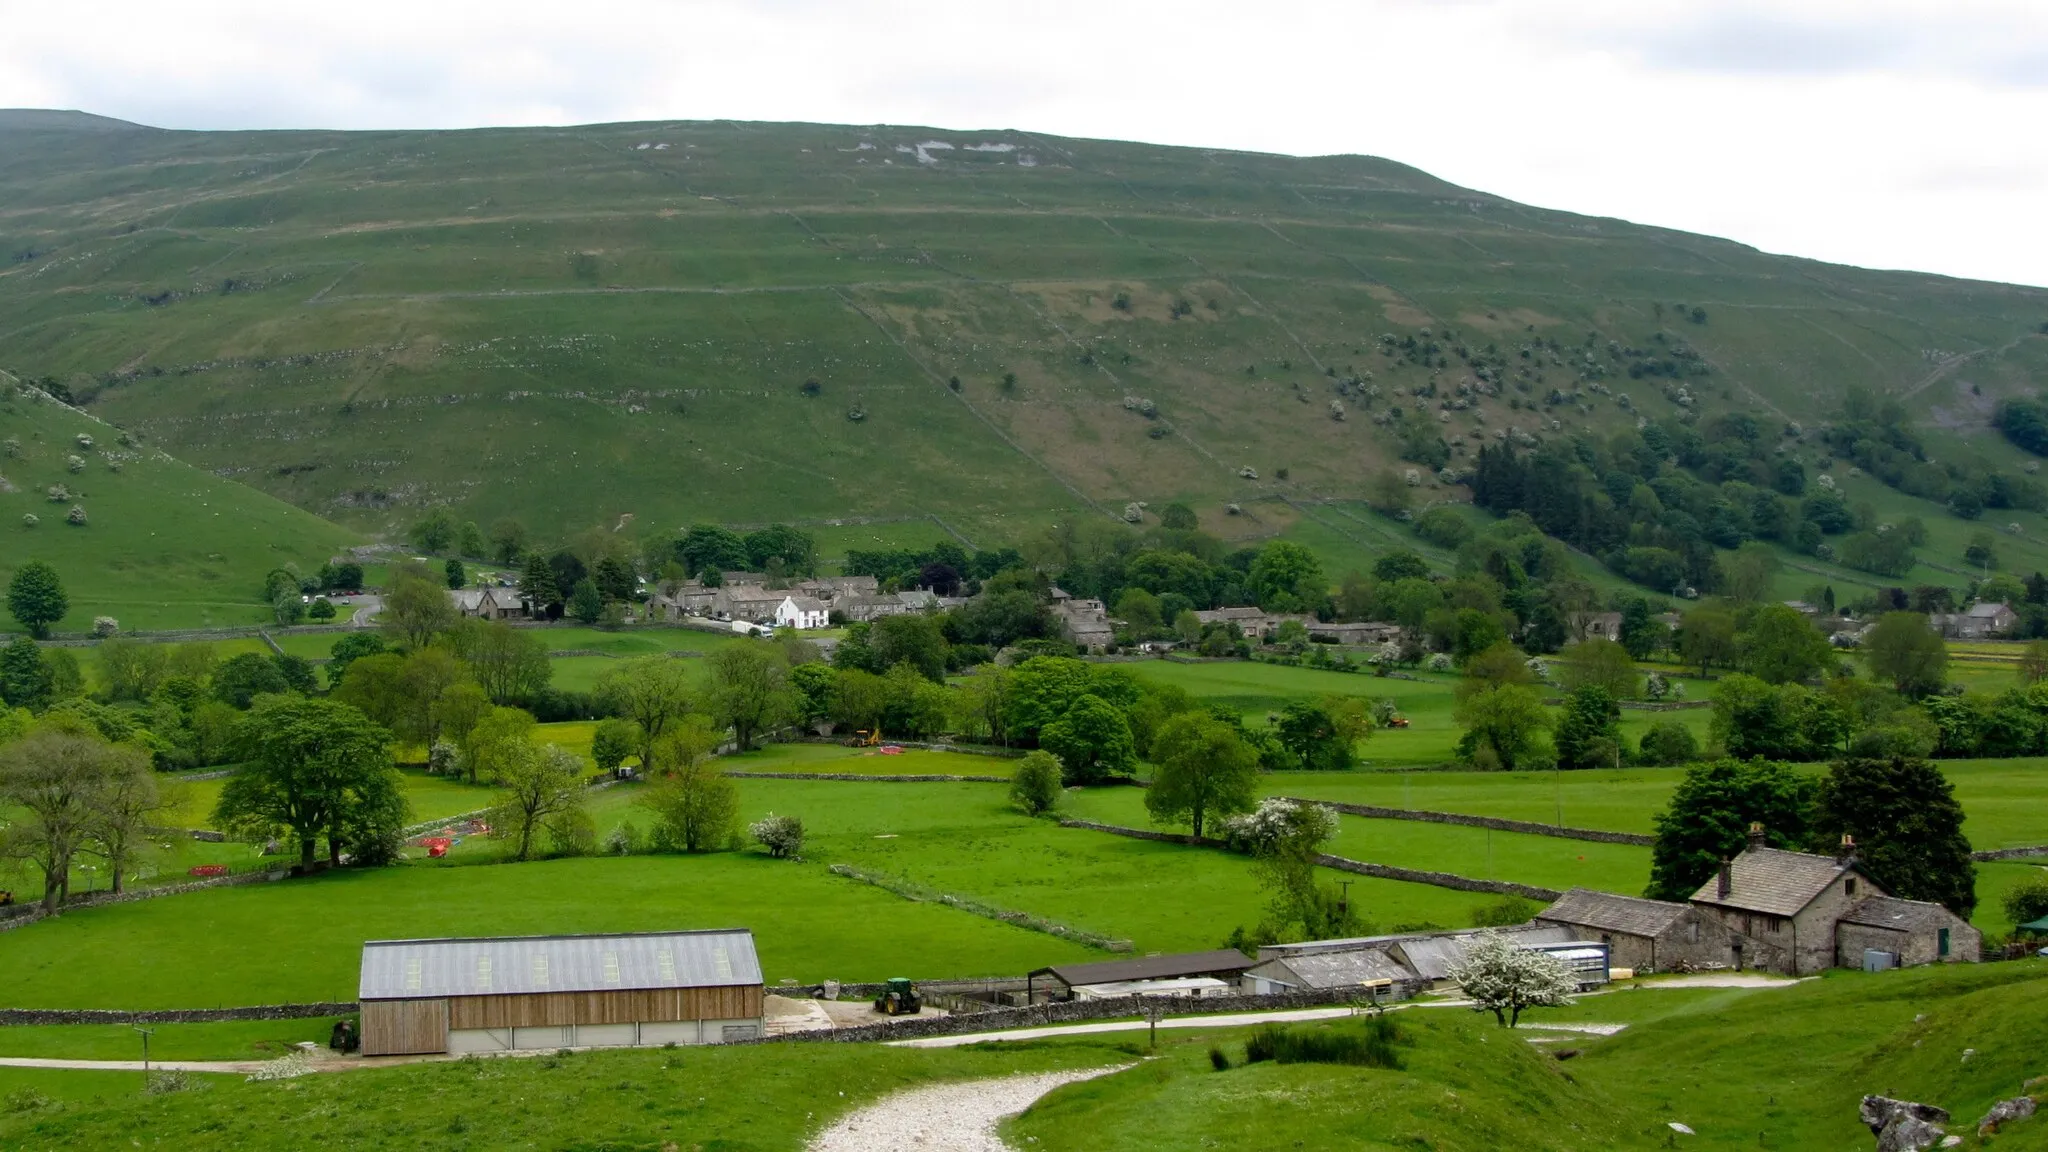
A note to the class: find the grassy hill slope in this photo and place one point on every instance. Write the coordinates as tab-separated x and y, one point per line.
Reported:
570	325
164	545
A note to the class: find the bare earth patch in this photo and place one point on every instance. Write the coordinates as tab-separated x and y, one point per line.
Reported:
945	1117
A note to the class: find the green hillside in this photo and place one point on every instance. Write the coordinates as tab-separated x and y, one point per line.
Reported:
164	545
571	325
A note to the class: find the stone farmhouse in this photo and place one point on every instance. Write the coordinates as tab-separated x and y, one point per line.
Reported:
489	603
749	602
1982	621
1798	913
1085	623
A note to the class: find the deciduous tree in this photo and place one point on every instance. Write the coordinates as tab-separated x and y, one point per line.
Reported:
1502	724
543	787
694	809
1708	817
1204	769
1035	785
35	597
1903	649
416	606
748	691
652	691
1092	741
1907	826
1779	646
1500	976
315	768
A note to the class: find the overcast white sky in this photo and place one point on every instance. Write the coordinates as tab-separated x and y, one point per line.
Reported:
1887	133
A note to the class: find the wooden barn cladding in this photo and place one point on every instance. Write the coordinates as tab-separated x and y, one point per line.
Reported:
633	1007
510	993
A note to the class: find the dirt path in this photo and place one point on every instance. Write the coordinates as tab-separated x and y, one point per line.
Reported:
244	1067
945	1117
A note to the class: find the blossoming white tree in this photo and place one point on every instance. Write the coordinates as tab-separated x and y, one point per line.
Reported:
1504	978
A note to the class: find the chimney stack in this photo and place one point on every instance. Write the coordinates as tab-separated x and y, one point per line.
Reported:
1847	851
1727	878
1756	835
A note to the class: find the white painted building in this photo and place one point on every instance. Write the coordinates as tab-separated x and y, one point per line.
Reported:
802	612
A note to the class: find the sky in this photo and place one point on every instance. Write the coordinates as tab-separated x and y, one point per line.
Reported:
1883	133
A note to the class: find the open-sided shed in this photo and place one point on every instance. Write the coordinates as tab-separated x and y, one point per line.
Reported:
500	994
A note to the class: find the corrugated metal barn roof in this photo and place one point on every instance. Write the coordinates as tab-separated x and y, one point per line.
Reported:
502	965
1222	962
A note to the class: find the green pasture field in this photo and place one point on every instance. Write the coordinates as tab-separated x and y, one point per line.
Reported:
225	1040
967	840
1259	691
165	545
189	951
2005	802
866	761
1546	861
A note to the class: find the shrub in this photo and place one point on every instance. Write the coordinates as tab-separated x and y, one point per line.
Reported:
26	1100
1666	743
782	836
1377	1046
444	759
1218	1058
1440	662
76	516
164	1081
105	626
30	520
1503	913
1035	785
74	463
2027	900
321	609
620	841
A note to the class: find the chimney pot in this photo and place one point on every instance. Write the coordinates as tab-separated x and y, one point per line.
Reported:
1847	851
1756	834
1727	878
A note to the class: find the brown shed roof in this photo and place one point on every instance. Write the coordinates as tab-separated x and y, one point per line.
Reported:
1629	915
1774	882
1222	962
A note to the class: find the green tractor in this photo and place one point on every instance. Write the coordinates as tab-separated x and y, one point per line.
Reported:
898	998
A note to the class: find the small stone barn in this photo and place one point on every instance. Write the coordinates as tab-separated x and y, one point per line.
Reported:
1060	980
1643	935
503	994
1912	931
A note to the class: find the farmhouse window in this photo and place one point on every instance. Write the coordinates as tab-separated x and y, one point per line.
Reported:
1849	886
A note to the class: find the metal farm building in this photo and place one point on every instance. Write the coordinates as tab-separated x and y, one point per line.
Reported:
521	992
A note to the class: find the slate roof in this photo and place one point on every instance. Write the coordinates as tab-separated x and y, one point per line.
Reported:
1773	881
503	965
1898	915
1433	957
1334	969
806	604
1628	915
1223	961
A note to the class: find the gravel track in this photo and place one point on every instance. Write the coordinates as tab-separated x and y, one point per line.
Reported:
945	1117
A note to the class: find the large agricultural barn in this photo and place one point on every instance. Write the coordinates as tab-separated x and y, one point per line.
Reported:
501	994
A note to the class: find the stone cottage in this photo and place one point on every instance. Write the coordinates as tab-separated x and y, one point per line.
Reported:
1795	912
